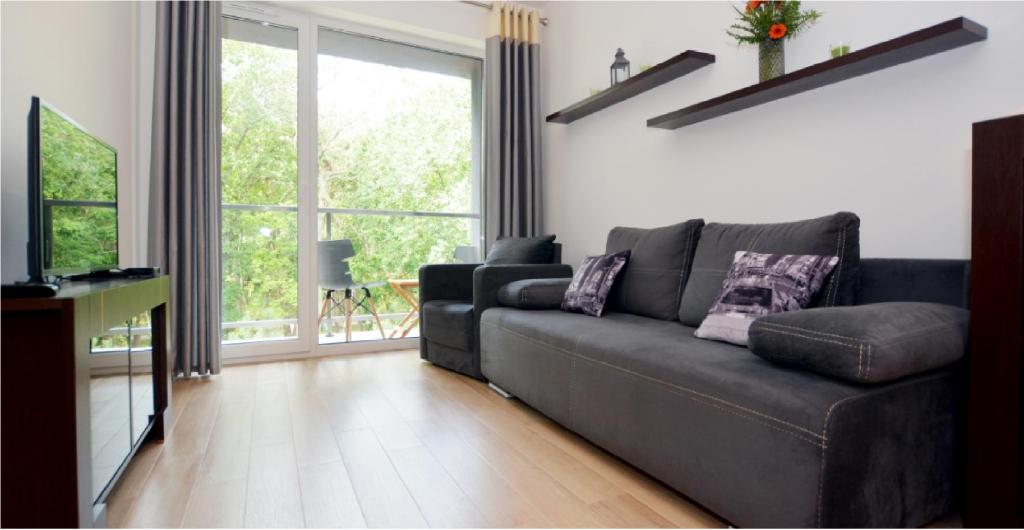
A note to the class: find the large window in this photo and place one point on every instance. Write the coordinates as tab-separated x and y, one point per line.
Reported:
331	135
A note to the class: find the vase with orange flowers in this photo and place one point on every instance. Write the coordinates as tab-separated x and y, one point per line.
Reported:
769	24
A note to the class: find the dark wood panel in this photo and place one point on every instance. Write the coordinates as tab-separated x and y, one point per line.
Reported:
929	41
47	469
40	446
659	74
994	465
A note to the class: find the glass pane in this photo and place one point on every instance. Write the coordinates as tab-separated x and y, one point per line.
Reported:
393	137
260	274
260	181
141	350
388	248
109	400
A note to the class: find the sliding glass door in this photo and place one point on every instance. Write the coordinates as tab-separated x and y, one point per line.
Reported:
348	161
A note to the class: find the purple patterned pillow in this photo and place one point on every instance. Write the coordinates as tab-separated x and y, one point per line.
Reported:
761	284
592	282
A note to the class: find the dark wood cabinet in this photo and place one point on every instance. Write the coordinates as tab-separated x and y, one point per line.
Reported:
995	466
85	382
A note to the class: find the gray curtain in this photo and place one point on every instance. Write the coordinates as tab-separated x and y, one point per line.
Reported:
184	209
512	175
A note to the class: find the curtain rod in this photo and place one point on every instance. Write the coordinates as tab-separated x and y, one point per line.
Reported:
489	6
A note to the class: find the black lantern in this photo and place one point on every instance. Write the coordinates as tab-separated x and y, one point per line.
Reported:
620	68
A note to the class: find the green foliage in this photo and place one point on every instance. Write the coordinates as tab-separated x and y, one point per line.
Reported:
76	167
412	152
757	19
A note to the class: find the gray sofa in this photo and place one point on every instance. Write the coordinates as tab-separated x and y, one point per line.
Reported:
760	443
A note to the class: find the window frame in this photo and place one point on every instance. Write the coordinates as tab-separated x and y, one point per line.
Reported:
308	23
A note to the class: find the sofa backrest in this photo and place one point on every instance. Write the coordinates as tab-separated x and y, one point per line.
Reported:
659	263
832	235
942	281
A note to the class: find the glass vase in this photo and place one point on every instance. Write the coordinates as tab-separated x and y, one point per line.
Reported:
771	59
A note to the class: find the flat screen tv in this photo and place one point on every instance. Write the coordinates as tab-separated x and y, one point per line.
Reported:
72	190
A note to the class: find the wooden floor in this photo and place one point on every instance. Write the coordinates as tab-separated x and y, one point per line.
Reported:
381	440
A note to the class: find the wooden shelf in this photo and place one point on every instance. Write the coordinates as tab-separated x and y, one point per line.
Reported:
922	43
659	74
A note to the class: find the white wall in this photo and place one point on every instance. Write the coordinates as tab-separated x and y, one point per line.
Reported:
893	146
78	57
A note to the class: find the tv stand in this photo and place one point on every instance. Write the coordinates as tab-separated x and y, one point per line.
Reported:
130	273
58	398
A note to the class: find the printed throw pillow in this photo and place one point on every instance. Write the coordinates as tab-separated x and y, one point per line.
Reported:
761	284
592	282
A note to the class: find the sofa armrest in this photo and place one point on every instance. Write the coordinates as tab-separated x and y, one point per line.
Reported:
871	343
447	282
540	293
489	279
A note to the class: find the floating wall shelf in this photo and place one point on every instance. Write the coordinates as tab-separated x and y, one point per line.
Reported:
660	74
922	43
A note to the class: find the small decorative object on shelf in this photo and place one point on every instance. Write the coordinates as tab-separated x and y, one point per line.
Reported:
620	68
769	24
839	49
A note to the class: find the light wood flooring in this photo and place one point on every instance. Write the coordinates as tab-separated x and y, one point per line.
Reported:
377	440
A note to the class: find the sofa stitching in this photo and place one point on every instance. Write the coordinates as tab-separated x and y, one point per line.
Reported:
921	331
824	447
824	458
860	358
810	337
895	340
675	390
868	372
838	276
663	383
572	381
816	443
810	331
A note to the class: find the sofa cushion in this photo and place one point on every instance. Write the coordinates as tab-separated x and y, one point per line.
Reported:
833	235
449	323
869	343
659	264
540	293
522	251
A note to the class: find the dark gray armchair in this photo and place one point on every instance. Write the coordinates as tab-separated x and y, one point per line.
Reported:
452	298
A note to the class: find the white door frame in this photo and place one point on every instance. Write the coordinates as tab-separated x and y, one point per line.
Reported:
307	343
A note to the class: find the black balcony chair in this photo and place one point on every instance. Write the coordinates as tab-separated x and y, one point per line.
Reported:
336	277
452	298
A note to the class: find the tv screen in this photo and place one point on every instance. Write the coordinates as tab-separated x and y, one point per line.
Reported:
73	186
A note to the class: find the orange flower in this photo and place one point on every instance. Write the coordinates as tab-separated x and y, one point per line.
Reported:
777	31
753	4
